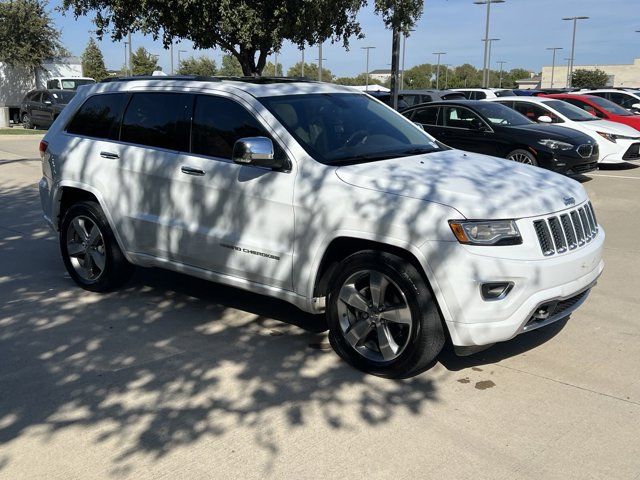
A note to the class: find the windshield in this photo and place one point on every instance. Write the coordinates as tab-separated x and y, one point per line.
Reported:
63	97
343	128
74	83
609	106
570	111
499	114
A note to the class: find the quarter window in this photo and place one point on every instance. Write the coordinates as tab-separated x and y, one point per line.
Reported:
426	116
218	123
158	120
99	116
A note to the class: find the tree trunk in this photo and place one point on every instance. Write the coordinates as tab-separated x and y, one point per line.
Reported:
247	59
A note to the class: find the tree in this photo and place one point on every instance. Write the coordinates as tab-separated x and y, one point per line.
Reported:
230	67
360	79
420	76
250	31
589	78
203	66
310	71
270	70
27	34
93	62
142	62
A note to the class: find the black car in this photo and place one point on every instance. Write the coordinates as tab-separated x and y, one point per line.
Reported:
416	97
385	97
40	108
493	129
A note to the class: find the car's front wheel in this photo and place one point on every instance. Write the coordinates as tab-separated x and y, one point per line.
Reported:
90	251
522	156
26	122
382	317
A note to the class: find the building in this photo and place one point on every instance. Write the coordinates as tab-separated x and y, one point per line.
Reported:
625	75
531	83
382	75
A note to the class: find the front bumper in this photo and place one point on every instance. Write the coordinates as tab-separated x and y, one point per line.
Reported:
568	164
472	321
627	151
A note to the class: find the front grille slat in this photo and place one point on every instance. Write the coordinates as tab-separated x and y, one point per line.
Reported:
571	230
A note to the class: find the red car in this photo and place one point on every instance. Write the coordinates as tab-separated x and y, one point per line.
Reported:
601	108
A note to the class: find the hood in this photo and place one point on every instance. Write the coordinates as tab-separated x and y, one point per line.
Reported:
610	127
478	186
554	132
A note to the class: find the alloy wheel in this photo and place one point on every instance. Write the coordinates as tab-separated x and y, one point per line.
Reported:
521	158
374	316
86	249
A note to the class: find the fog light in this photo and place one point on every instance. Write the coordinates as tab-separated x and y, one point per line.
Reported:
496	290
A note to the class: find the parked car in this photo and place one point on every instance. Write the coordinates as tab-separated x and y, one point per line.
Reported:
601	108
617	143
416	97
482	93
385	97
493	129
40	108
626	99
319	195
68	83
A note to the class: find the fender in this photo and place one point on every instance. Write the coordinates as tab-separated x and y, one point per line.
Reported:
55	207
312	272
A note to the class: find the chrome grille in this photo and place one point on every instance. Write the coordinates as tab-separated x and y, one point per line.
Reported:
568	231
585	151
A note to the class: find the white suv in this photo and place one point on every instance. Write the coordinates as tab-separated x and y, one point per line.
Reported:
321	196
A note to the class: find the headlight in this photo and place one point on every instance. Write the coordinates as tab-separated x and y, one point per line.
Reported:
555	144
608	136
486	232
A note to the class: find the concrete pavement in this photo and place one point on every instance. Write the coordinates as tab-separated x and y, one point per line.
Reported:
173	377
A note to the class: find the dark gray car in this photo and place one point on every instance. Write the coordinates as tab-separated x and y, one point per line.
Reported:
416	97
40	108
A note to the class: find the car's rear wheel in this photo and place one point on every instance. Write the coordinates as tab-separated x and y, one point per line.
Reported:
26	122
90	251
382	317
522	156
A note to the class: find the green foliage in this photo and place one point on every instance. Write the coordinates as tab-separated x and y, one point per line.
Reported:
589	78
270	70
250	31
93	62
202	66
420	76
142	62
27	34
360	79
230	67
310	71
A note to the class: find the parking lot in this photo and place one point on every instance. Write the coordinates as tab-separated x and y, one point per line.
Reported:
174	377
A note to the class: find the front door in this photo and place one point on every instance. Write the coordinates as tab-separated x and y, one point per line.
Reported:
465	130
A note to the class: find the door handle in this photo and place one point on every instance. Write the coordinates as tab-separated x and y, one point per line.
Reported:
191	171
109	155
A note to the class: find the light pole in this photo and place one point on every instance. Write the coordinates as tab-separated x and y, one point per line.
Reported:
302	66
439	54
366	88
490	42
126	65
320	62
553	62
275	68
568	67
486	64
573	44
501	62
446	75
404	48
130	48
179	52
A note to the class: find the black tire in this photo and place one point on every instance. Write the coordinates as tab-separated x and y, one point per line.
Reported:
27	122
424	338
523	156
116	269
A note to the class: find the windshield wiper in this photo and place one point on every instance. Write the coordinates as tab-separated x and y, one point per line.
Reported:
418	151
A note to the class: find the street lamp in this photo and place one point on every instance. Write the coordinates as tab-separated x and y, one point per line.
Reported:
501	62
485	66
439	54
126	65
320	59
568	66
404	47
573	43
446	75
553	62
366	88
490	42
302	66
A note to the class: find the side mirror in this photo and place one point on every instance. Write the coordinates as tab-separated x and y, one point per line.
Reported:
545	119
419	125
635	106
256	151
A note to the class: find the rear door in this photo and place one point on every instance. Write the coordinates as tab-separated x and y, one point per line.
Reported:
429	118
35	108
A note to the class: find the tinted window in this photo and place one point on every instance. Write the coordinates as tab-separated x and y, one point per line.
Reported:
459	117
158	120
63	96
35	96
426	116
570	111
480	96
609	106
46	96
217	124
498	114
53	84
534	111
586	107
622	99
99	116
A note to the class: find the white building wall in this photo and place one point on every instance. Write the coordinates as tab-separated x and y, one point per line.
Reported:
627	75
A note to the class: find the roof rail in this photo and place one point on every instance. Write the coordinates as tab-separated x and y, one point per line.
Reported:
200	78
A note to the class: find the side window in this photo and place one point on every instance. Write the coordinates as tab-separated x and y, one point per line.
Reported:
37	97
459	117
533	111
411	99
218	122
52	84
99	116
480	96
584	106
625	101
158	120
46	97
427	116
426	98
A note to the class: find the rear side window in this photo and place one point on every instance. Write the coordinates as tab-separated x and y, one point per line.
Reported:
158	120
426	116
479	96
99	116
217	123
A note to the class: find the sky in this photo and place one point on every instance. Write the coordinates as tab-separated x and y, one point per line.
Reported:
525	29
